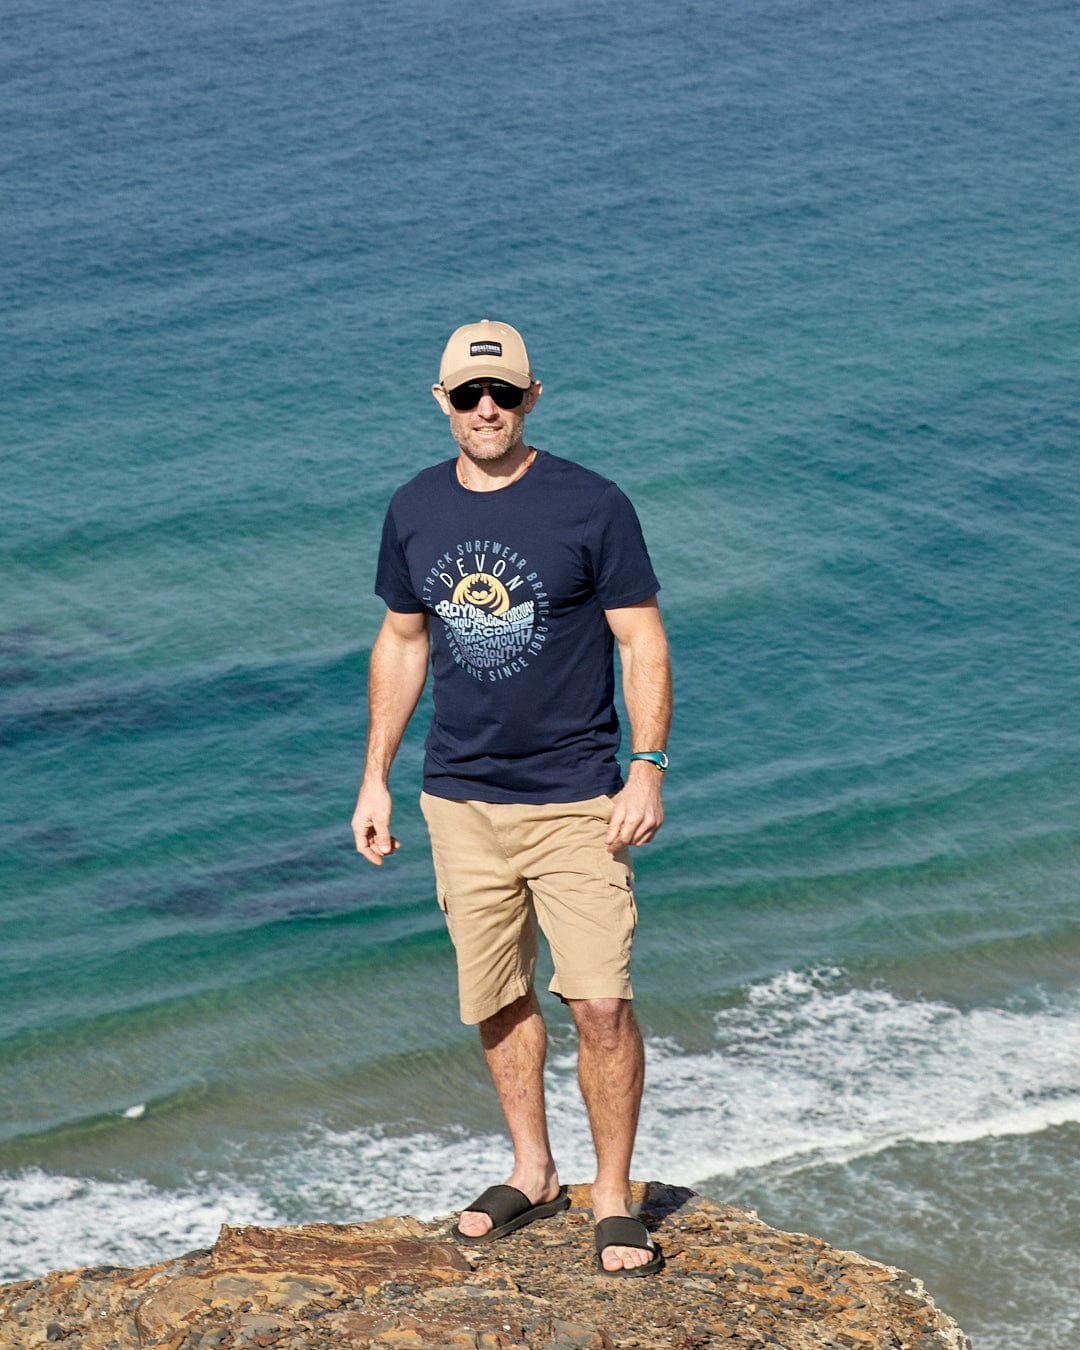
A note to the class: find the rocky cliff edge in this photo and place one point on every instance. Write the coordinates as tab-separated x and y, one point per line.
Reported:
400	1284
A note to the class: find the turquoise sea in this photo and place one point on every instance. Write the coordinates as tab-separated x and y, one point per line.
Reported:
802	276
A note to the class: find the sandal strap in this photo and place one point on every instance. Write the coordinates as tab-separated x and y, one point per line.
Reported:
622	1231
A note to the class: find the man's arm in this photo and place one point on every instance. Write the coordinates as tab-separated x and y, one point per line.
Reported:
638	811
396	675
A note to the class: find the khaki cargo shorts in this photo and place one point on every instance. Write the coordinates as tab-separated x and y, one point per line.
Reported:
503	868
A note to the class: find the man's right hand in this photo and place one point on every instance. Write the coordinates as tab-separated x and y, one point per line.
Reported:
371	824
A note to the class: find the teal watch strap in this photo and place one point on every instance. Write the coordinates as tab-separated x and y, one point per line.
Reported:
656	757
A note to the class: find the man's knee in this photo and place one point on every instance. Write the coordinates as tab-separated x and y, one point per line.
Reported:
604	1022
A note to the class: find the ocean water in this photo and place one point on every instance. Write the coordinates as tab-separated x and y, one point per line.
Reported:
801	275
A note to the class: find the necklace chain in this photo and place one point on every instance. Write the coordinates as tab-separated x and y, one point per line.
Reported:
525	463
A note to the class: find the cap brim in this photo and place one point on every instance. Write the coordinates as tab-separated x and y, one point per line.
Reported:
484	370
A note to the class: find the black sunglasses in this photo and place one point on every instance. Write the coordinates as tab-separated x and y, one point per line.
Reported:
466	396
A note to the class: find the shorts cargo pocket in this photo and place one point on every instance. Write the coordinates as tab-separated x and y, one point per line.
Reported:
621	876
442	897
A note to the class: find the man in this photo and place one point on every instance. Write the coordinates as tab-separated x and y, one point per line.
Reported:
516	572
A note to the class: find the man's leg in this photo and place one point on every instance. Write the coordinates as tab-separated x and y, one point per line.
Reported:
515	1045
611	1071
492	923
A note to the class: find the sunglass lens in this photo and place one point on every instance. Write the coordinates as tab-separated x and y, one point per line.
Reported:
506	395
466	396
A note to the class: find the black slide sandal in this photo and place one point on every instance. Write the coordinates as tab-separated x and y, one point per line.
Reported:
509	1209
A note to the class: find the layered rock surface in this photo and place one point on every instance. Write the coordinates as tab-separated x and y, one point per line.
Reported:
400	1284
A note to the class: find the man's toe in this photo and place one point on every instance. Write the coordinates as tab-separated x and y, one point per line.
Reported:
614	1258
624	1258
474	1223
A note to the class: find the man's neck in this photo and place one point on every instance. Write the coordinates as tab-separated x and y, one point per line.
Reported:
490	476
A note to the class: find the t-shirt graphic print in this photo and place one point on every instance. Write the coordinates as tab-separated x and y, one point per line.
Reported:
495	614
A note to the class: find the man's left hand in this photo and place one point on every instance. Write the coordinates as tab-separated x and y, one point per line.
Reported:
637	811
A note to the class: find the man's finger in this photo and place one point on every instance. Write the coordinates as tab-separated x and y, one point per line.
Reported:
385	844
374	843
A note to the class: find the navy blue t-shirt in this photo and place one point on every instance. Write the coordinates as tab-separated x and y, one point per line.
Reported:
516	582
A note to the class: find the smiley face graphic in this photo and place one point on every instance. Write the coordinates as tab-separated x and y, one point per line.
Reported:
483	592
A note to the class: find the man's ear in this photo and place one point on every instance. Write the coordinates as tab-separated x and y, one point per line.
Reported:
440	398
532	394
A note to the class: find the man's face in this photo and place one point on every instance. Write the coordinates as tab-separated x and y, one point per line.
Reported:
487	432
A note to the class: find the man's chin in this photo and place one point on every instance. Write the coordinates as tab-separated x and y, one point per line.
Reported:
487	451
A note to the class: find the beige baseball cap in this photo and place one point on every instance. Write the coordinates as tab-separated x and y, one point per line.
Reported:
485	351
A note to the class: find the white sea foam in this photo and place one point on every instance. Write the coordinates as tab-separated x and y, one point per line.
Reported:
57	1222
807	1071
804	1070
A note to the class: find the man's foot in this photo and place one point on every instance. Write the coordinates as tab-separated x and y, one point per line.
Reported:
504	1209
625	1249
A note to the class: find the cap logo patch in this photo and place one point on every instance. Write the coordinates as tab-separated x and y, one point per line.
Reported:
485	349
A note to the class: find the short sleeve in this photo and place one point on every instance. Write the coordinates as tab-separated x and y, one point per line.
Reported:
393	583
615	549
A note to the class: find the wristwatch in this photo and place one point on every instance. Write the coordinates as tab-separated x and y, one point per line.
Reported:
656	757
